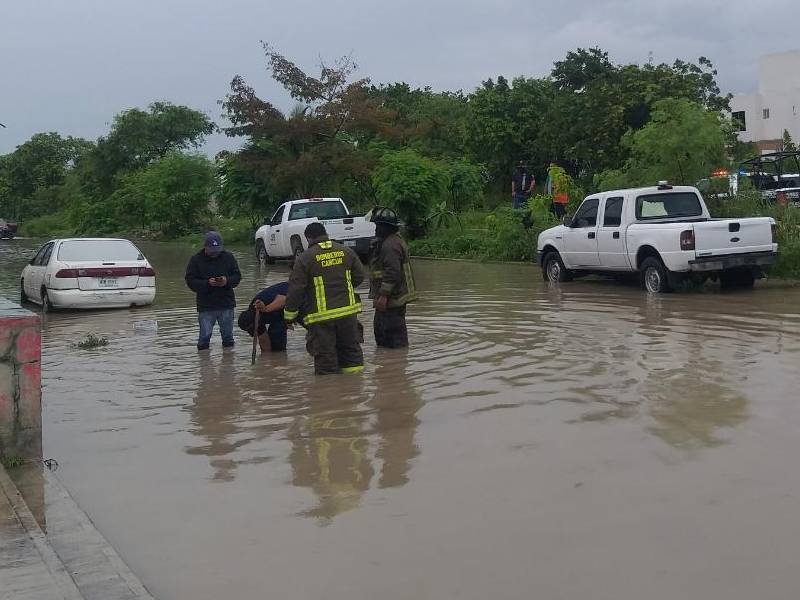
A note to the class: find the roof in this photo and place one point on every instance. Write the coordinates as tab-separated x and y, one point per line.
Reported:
651	189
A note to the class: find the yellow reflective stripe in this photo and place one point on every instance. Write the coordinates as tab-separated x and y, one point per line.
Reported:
412	287
334	313
326	244
290	315
351	294
356	369
319	289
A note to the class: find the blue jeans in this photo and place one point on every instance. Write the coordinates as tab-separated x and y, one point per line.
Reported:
208	318
519	201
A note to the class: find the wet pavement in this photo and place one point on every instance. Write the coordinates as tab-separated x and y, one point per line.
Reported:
585	440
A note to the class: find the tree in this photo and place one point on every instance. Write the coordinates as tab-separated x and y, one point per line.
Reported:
321	146
37	165
682	143
788	143
168	195
138	138
411	184
465	183
245	191
505	126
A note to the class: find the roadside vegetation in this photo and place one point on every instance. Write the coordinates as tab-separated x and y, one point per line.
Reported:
442	159
91	341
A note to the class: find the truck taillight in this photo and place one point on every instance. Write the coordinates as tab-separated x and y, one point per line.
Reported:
66	273
687	239
774	233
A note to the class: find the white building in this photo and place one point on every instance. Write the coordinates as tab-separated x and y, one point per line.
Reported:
775	107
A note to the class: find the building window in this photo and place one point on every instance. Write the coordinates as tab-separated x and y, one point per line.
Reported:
739	121
765	112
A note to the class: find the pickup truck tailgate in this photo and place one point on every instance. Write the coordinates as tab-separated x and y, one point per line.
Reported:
733	236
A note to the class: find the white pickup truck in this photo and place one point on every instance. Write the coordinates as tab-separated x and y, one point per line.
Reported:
282	235
663	233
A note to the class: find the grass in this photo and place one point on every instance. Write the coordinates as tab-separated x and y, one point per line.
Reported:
11	461
53	226
91	341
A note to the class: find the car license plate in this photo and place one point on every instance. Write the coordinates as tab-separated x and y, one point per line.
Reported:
350	243
108	282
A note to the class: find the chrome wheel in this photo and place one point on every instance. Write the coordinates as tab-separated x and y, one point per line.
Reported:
554	271
652	280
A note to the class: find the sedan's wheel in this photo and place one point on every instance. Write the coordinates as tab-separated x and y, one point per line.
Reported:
553	269
655	277
46	306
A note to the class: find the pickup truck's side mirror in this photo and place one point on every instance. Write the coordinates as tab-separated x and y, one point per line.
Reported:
567	221
267	221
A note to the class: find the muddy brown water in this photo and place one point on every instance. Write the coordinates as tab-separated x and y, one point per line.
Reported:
578	441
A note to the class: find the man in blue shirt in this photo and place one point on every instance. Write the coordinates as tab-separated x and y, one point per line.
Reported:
271	324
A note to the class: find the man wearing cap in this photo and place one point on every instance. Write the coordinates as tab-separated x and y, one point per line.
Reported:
322	293
212	274
391	280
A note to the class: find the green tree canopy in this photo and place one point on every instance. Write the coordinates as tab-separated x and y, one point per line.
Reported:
682	143
411	184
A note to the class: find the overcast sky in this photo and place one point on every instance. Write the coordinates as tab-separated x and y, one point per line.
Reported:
70	65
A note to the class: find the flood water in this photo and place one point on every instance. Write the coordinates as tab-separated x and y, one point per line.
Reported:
581	441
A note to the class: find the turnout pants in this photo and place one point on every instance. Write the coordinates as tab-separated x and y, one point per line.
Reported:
390	328
336	346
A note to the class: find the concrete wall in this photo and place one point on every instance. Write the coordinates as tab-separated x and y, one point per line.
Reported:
20	382
778	91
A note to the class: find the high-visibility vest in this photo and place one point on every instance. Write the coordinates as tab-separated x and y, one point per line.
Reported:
323	284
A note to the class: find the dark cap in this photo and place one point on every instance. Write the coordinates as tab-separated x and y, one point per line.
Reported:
213	243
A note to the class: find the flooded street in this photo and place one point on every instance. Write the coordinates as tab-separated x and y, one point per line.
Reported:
581	441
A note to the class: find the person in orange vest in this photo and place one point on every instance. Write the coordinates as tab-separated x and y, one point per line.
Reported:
556	188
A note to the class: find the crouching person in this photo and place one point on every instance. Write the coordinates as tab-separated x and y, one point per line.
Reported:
272	327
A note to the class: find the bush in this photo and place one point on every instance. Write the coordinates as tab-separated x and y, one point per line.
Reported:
55	225
507	235
411	184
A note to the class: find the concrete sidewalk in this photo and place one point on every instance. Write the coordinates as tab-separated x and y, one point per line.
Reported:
29	568
72	562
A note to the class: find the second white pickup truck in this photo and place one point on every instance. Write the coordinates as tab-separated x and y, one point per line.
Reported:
282	236
663	233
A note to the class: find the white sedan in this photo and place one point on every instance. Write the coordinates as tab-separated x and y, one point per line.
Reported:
88	273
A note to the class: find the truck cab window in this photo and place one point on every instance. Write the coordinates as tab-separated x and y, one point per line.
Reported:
276	220
612	217
587	214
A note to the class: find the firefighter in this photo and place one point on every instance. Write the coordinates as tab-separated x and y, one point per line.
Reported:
391	280
322	290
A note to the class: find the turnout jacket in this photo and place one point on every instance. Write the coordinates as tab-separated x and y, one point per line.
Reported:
322	284
390	272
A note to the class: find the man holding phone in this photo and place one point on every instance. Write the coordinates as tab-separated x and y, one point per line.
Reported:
212	274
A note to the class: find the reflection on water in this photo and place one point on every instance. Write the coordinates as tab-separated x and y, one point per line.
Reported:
533	437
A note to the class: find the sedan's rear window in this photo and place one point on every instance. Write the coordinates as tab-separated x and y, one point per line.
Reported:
98	250
332	209
668	205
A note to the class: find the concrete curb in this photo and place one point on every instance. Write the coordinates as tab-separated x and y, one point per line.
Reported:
74	555
61	584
